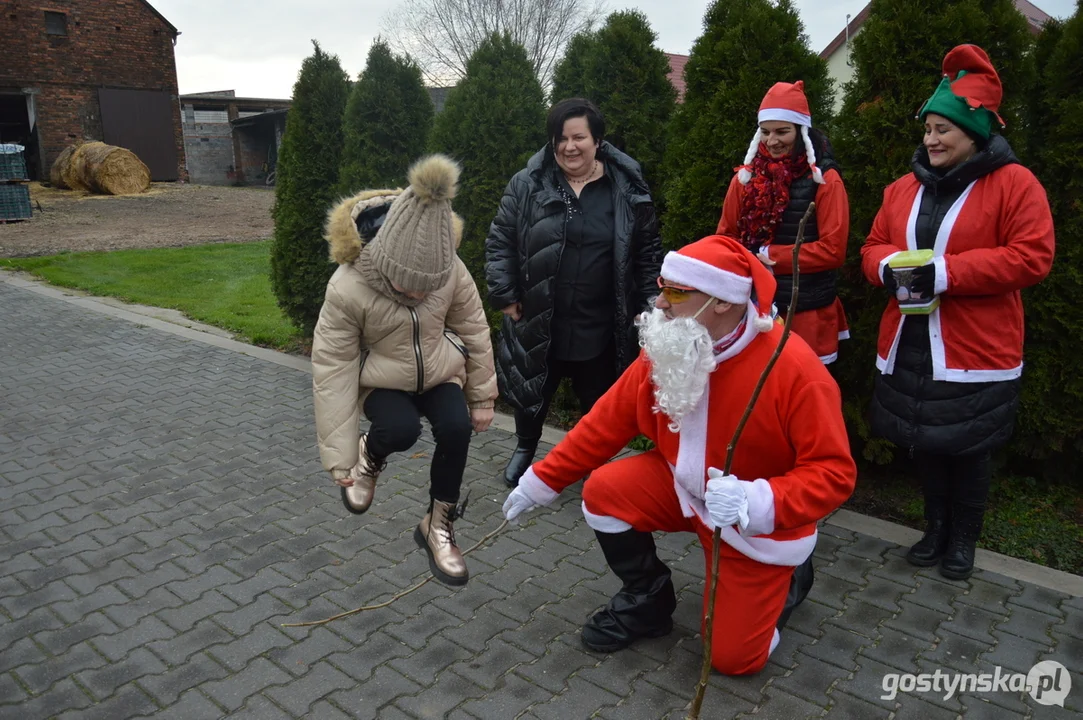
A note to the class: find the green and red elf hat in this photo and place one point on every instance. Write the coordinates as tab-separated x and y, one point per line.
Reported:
970	93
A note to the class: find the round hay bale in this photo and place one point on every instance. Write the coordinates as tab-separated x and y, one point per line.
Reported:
56	172
72	173
112	170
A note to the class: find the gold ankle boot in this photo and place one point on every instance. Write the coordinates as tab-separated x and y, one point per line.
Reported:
436	534
358	497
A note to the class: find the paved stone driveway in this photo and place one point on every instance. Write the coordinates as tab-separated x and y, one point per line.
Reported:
163	512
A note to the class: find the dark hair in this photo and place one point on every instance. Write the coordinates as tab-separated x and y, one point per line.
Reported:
574	108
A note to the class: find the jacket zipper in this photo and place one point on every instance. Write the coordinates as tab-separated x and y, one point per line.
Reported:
417	352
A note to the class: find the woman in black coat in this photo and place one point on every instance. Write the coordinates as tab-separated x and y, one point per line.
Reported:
571	258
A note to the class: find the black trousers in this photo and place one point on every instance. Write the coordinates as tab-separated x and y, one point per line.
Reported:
590	380
958	479
395	418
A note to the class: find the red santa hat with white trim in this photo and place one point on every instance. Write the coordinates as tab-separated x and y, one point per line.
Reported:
723	268
784	102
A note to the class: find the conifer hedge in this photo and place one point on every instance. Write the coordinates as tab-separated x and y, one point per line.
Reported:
388	120
1050	427
308	164
493	121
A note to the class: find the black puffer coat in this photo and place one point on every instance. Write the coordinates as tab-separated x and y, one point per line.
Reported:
911	409
522	254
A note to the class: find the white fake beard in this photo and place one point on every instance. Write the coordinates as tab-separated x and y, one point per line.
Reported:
681	354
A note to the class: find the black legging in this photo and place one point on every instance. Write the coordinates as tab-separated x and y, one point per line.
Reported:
590	380
395	418
960	479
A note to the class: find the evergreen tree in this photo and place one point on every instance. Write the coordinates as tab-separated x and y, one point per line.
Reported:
746	47
898	56
493	121
387	124
1050	423
626	76
308	165
570	75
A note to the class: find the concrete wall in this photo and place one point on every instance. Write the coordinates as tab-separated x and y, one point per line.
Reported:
209	148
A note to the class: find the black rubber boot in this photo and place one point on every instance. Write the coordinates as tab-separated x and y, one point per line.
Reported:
644	606
528	430
958	560
800	583
934	543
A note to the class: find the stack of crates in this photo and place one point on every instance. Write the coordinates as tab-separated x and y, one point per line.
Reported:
14	192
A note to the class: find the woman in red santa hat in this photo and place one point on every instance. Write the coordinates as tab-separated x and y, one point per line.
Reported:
789	164
950	366
705	345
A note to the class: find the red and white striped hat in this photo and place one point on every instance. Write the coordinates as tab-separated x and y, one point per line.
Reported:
784	102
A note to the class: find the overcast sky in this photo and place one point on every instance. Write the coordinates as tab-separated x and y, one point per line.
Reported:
256	46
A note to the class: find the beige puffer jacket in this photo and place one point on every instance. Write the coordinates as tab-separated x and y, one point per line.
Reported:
365	340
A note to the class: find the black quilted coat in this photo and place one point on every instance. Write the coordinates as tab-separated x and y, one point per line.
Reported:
522	254
911	409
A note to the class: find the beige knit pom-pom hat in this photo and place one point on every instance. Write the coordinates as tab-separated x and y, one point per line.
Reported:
415	247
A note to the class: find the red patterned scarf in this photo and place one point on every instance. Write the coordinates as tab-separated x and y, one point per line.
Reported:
766	196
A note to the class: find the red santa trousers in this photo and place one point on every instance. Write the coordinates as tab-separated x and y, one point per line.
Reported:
639	491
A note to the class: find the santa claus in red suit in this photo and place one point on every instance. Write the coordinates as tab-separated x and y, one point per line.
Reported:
705	345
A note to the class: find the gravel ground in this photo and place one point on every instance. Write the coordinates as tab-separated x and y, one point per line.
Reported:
167	215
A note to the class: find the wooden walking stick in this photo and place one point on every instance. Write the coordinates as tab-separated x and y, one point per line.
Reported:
708	631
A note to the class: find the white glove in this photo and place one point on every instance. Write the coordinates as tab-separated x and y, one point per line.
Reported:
726	499
518	502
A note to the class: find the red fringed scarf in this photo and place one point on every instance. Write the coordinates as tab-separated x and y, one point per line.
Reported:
766	196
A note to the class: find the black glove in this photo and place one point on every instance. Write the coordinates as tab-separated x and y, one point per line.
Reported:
889	281
923	281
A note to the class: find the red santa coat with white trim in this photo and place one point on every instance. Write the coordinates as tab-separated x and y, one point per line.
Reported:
794	445
996	240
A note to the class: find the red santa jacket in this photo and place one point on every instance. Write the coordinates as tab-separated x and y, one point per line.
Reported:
794	449
995	240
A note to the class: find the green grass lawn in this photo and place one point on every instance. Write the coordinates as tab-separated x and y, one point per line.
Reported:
226	285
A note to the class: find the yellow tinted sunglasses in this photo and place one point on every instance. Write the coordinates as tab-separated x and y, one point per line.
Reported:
674	294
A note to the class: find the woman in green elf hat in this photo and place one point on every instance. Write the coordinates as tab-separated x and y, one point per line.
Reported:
954	243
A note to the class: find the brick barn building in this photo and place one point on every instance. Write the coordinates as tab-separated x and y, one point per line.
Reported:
73	70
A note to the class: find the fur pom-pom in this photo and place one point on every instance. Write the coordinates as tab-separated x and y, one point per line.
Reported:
744	175
434	178
817	176
762	323
457	229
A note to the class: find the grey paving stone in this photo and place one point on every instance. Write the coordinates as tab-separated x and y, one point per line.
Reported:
579	695
861	617
118	645
103	681
515	696
811	680
1015	653
487	668
1040	599
441	698
989	596
974	622
911	708
186	616
847	707
383	687
192	705
58	641
1030	624
952	650
839	648
320	682
128	702
232	692
38	677
259	707
917	621
783	706
178	649
167	687
896	649
360	661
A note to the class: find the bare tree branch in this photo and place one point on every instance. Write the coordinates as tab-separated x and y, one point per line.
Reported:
441	35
